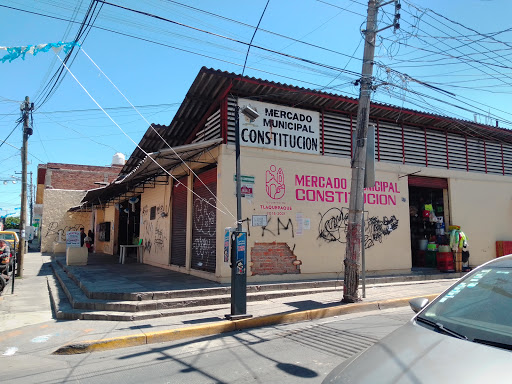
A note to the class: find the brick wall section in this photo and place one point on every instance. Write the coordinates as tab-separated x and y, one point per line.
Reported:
273	259
74	176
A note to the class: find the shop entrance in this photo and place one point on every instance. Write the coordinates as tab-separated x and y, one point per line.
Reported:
129	222
429	217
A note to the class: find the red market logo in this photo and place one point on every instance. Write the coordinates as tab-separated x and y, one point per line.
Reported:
274	182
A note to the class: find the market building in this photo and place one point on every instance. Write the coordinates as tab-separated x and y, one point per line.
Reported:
176	193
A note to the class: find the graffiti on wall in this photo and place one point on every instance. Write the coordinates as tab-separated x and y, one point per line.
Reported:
334	223
155	236
204	232
54	228
276	228
204	216
376	229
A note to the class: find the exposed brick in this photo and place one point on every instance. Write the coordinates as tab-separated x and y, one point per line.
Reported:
273	259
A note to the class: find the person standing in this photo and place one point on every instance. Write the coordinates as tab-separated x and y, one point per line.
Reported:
82	236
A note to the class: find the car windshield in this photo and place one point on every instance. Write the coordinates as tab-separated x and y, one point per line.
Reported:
479	307
6	236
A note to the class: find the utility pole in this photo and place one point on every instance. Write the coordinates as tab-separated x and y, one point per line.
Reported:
355	241
26	110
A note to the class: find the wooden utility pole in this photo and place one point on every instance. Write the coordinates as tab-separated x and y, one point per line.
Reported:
355	214
26	109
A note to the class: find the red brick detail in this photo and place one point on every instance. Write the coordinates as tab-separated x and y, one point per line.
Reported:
77	177
273	259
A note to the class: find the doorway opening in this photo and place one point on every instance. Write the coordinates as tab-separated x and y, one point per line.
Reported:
429	218
129	223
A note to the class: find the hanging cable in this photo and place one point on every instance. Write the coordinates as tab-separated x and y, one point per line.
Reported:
128	136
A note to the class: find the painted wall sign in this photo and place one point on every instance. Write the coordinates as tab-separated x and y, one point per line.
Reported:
274	182
337	190
280	127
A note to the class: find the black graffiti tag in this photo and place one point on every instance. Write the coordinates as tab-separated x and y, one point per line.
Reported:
334	222
280	226
53	229
333	225
376	229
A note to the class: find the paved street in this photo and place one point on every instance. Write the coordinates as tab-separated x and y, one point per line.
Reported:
304	351
293	353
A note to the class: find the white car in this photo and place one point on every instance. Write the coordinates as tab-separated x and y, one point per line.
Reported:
463	336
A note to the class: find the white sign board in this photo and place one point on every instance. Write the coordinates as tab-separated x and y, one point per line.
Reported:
73	239
259	220
280	127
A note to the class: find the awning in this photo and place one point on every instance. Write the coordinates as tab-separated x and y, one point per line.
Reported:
154	165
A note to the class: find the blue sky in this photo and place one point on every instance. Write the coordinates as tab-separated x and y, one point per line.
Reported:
467	73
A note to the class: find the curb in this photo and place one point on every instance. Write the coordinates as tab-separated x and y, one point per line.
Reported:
228	326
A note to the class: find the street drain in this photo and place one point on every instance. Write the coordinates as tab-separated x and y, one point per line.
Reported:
330	340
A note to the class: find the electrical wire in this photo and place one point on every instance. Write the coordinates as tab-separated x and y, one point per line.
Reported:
137	145
254	34
9	135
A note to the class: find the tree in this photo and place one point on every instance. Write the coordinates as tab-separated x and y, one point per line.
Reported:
12	223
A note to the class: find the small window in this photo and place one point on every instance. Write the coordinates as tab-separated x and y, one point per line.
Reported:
152	213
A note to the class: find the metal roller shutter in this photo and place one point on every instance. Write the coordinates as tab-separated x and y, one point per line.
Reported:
204	246
179	223
428	182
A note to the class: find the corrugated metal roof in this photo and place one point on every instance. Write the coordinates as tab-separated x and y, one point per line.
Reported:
149	168
210	84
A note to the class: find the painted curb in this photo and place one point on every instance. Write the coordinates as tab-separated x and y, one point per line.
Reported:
229	326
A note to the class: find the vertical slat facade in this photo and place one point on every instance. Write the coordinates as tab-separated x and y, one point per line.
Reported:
414	146
419	146
179	223
457	151
476	155
204	215
390	142
211	130
493	152
436	149
507	159
336	135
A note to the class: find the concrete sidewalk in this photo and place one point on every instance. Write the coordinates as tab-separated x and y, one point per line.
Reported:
27	326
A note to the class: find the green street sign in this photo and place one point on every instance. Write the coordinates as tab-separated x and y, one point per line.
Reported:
245	179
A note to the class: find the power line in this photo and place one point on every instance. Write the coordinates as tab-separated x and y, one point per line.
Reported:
99	110
254	34
227	38
9	135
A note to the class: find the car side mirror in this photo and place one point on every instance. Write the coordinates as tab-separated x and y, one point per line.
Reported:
418	303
